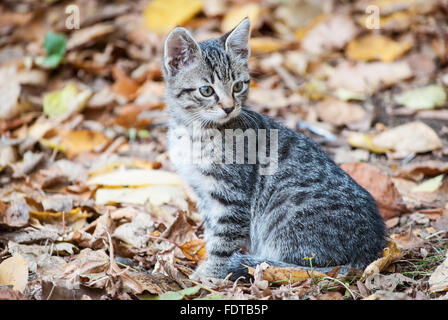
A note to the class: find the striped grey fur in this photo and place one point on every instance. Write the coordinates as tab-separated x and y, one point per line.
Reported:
308	207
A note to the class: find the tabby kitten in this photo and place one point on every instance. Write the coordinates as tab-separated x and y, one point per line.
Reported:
306	207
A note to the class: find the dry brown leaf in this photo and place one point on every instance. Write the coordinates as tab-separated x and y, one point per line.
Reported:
407	240
287	275
79	141
124	86
322	37
136	232
87	34
7	293
16	214
417	171
339	112
9	93
439	278
194	250
14	271
380	186
390	254
413	137
369	77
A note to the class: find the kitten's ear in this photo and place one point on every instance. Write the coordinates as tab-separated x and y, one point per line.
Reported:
180	50
237	42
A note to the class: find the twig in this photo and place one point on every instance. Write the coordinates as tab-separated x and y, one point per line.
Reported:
345	286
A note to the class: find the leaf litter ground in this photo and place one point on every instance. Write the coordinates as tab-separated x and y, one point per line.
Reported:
89	205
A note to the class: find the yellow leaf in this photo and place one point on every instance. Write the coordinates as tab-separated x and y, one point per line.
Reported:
14	271
266	45
302	32
156	195
194	250
136	178
136	163
364	141
376	47
70	99
430	185
76	142
235	15
286	275
411	137
390	254
315	89
163	15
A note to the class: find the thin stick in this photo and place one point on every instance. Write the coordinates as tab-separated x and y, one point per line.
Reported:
346	287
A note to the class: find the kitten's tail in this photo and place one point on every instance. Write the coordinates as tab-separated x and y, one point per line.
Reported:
238	261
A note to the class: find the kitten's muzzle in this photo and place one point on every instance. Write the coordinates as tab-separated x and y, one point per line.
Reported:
228	110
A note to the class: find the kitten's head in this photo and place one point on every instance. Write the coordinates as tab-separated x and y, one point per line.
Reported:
207	81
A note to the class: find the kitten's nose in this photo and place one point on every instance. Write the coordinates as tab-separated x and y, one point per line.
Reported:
228	110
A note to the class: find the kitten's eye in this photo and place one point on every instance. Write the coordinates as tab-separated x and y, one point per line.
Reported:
238	86
206	91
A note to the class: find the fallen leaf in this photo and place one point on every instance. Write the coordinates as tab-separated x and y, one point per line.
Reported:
87	34
422	98
364	141
380	186
9	93
16	214
347	95
287	275
136	232
407	240
177	295
376	47
38	257
194	250
417	171
7	293
430	185
387	282
438	281
14	271
330	296
79	141
339	113
368	77
412	137
397	21
266	45
124	86
55	45
70	99
390	254
322	37
156	195
136	178
236	14
75	218
392	222
163	15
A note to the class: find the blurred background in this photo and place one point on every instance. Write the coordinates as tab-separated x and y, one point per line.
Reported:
82	94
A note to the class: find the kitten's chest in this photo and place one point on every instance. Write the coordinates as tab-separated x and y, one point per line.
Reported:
191	158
